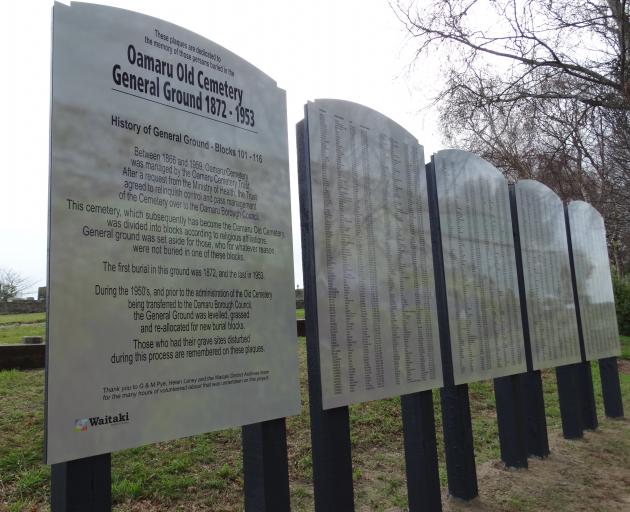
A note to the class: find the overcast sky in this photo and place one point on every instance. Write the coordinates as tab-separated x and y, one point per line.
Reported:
354	50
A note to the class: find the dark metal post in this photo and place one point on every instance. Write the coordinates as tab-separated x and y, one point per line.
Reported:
81	485
330	429
567	378
587	397
536	438
611	389
458	442
265	467
511	420
423	478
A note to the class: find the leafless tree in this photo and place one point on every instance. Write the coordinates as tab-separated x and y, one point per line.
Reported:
540	89
546	49
12	284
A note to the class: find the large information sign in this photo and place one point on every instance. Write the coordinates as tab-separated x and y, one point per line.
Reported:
171	306
594	283
480	268
376	302
551	312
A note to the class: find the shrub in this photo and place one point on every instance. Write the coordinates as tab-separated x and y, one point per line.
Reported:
621	287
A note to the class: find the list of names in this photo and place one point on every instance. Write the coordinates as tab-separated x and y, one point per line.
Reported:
376	299
480	268
594	284
547	273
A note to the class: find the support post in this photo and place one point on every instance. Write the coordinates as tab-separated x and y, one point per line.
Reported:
266	467
536	439
458	442
611	389
82	484
587	397
423	478
330	428
511	420
567	378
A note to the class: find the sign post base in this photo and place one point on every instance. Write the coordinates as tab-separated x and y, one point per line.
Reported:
82	484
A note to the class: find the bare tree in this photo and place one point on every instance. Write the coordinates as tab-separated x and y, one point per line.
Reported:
572	149
547	49
12	284
540	89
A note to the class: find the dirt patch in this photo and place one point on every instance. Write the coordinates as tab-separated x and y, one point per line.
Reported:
624	365
585	475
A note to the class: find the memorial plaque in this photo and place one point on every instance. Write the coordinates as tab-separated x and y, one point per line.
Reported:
547	273
376	304
594	283
171	304
480	268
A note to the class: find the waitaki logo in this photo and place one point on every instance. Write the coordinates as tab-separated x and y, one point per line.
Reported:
83	424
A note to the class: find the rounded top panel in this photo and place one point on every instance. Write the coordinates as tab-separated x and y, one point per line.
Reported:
542	190
220	59
587	212
464	163
357	112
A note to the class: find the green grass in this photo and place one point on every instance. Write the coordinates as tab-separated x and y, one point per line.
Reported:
205	472
299	313
14	333
14	327
625	347
23	318
21	440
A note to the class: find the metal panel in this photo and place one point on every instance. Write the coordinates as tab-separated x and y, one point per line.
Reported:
593	280
547	275
172	303
373	257
480	268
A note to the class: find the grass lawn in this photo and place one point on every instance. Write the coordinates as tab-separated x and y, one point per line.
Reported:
299	313
14	327
625	347
14	333
205	472
23	318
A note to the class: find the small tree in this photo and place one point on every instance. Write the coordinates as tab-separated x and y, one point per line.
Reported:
12	284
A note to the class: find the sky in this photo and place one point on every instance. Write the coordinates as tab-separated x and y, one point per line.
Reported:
355	50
